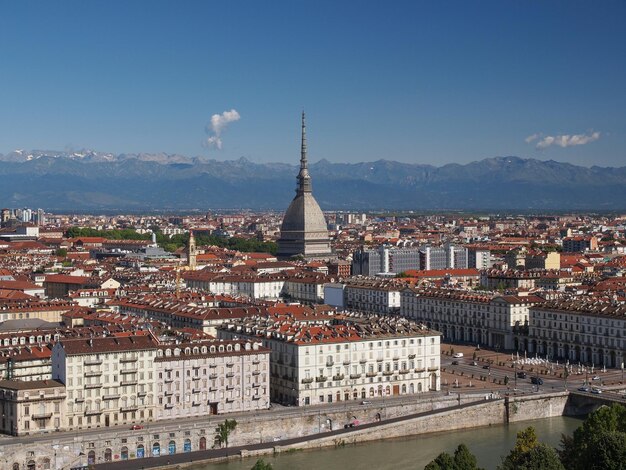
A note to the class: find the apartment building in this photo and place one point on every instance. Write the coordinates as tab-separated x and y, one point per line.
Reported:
109	380
488	319
355	357
31	407
364	295
211	377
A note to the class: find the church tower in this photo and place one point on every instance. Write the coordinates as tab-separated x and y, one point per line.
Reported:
191	251
303	231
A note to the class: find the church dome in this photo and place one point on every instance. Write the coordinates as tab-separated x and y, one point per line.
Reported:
303	231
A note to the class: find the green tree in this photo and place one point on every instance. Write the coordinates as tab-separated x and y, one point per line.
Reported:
62	252
596	443
223	431
540	457
262	465
463	460
529	454
443	461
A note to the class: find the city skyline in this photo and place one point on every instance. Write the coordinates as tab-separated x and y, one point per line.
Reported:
416	83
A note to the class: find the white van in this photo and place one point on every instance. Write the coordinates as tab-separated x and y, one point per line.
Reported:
457	355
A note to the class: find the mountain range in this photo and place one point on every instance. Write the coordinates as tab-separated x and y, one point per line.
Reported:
95	181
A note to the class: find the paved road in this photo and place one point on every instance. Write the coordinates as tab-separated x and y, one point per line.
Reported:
152	462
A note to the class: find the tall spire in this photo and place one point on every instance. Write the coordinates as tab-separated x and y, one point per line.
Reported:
304	179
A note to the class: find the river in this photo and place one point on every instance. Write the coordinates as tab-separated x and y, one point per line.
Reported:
488	444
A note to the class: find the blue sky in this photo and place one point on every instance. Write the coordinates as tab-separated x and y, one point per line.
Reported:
422	82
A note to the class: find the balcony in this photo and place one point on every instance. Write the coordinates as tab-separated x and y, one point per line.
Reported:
411	356
433	369
321	378
126	409
230	374
212	366
141	394
42	416
363	361
404	371
128	371
387	373
93	412
256	397
126	383
329	363
355	376
195	378
91	386
338	377
169	380
346	363
93	362
255	385
256	372
230	387
230	364
212	389
168	393
213	376
128	359
195	403
111	397
420	370
307	380
371	374
195	390
169	406
256	361
93	373
380	359
79	400
230	400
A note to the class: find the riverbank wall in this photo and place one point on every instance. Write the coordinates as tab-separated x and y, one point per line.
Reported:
267	433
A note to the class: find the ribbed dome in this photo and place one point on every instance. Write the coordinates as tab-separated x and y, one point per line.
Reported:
303	231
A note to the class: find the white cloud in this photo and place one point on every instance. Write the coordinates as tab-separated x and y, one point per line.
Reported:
218	124
563	140
531	138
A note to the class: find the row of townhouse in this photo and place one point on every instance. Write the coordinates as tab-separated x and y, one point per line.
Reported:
579	330
354	357
301	287
489	319
122	380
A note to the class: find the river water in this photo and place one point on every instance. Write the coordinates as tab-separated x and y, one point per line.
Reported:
488	444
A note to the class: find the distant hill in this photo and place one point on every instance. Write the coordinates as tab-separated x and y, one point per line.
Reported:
93	181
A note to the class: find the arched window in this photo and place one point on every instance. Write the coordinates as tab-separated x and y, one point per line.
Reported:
108	455
91	457
45	463
141	453
187	445
156	449
124	453
171	448
202	444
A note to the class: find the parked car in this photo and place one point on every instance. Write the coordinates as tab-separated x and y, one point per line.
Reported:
596	377
459	354
536	380
595	390
365	402
455	363
474	363
584	388
135	427
521	375
486	366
